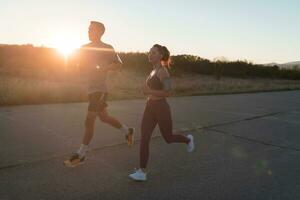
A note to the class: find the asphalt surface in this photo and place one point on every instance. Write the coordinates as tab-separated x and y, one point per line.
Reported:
248	147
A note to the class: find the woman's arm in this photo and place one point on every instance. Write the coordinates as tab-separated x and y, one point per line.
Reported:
157	93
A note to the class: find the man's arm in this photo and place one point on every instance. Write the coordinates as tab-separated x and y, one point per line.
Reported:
116	65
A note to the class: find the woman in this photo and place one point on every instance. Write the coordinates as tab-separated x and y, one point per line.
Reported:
157	110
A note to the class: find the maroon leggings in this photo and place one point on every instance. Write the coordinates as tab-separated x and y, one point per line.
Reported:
157	112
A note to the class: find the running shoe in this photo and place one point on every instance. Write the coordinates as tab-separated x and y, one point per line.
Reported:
138	175
191	145
130	136
74	160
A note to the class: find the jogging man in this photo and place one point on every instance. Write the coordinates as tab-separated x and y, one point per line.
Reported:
97	59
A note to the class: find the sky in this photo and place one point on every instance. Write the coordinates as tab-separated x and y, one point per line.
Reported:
260	31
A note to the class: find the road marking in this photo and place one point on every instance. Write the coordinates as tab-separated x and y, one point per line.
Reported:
282	120
255	140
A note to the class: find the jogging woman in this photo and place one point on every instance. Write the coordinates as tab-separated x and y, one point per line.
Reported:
157	110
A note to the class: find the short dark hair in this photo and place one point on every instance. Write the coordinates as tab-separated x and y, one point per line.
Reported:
99	26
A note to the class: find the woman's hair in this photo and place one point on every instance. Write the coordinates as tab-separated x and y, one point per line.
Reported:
166	59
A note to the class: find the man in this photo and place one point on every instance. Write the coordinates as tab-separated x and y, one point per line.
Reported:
96	59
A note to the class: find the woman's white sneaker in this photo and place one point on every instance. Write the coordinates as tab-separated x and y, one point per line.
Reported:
138	175
191	145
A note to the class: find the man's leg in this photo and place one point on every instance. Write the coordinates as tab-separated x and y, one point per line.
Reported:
79	156
88	133
106	118
89	127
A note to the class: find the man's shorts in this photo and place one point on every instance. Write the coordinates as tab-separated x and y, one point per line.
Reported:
97	102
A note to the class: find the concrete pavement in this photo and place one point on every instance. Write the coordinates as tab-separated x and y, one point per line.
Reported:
247	148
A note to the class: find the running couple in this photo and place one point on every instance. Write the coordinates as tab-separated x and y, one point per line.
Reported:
97	58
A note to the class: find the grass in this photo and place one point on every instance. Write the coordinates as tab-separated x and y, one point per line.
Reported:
126	85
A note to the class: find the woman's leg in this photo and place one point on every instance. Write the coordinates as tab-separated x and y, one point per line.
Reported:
148	124
165	125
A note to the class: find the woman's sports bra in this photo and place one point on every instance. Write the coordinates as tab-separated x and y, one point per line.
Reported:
155	83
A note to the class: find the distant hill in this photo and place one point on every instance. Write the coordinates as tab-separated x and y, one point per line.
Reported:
288	65
292	63
271	64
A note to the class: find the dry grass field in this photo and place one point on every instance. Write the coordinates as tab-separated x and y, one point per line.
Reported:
126	85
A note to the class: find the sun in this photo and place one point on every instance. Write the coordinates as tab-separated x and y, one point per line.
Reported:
65	45
65	49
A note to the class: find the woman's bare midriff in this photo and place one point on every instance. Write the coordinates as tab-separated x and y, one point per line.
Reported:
152	97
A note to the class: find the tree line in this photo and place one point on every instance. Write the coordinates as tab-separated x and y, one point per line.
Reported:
32	61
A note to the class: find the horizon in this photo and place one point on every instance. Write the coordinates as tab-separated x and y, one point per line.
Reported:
259	32
68	53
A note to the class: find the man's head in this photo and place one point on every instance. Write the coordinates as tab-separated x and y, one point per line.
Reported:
96	30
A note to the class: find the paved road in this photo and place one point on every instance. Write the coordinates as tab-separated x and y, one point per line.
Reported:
248	147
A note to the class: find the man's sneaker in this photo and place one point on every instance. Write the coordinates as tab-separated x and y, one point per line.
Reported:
191	145
138	175
130	136
74	160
